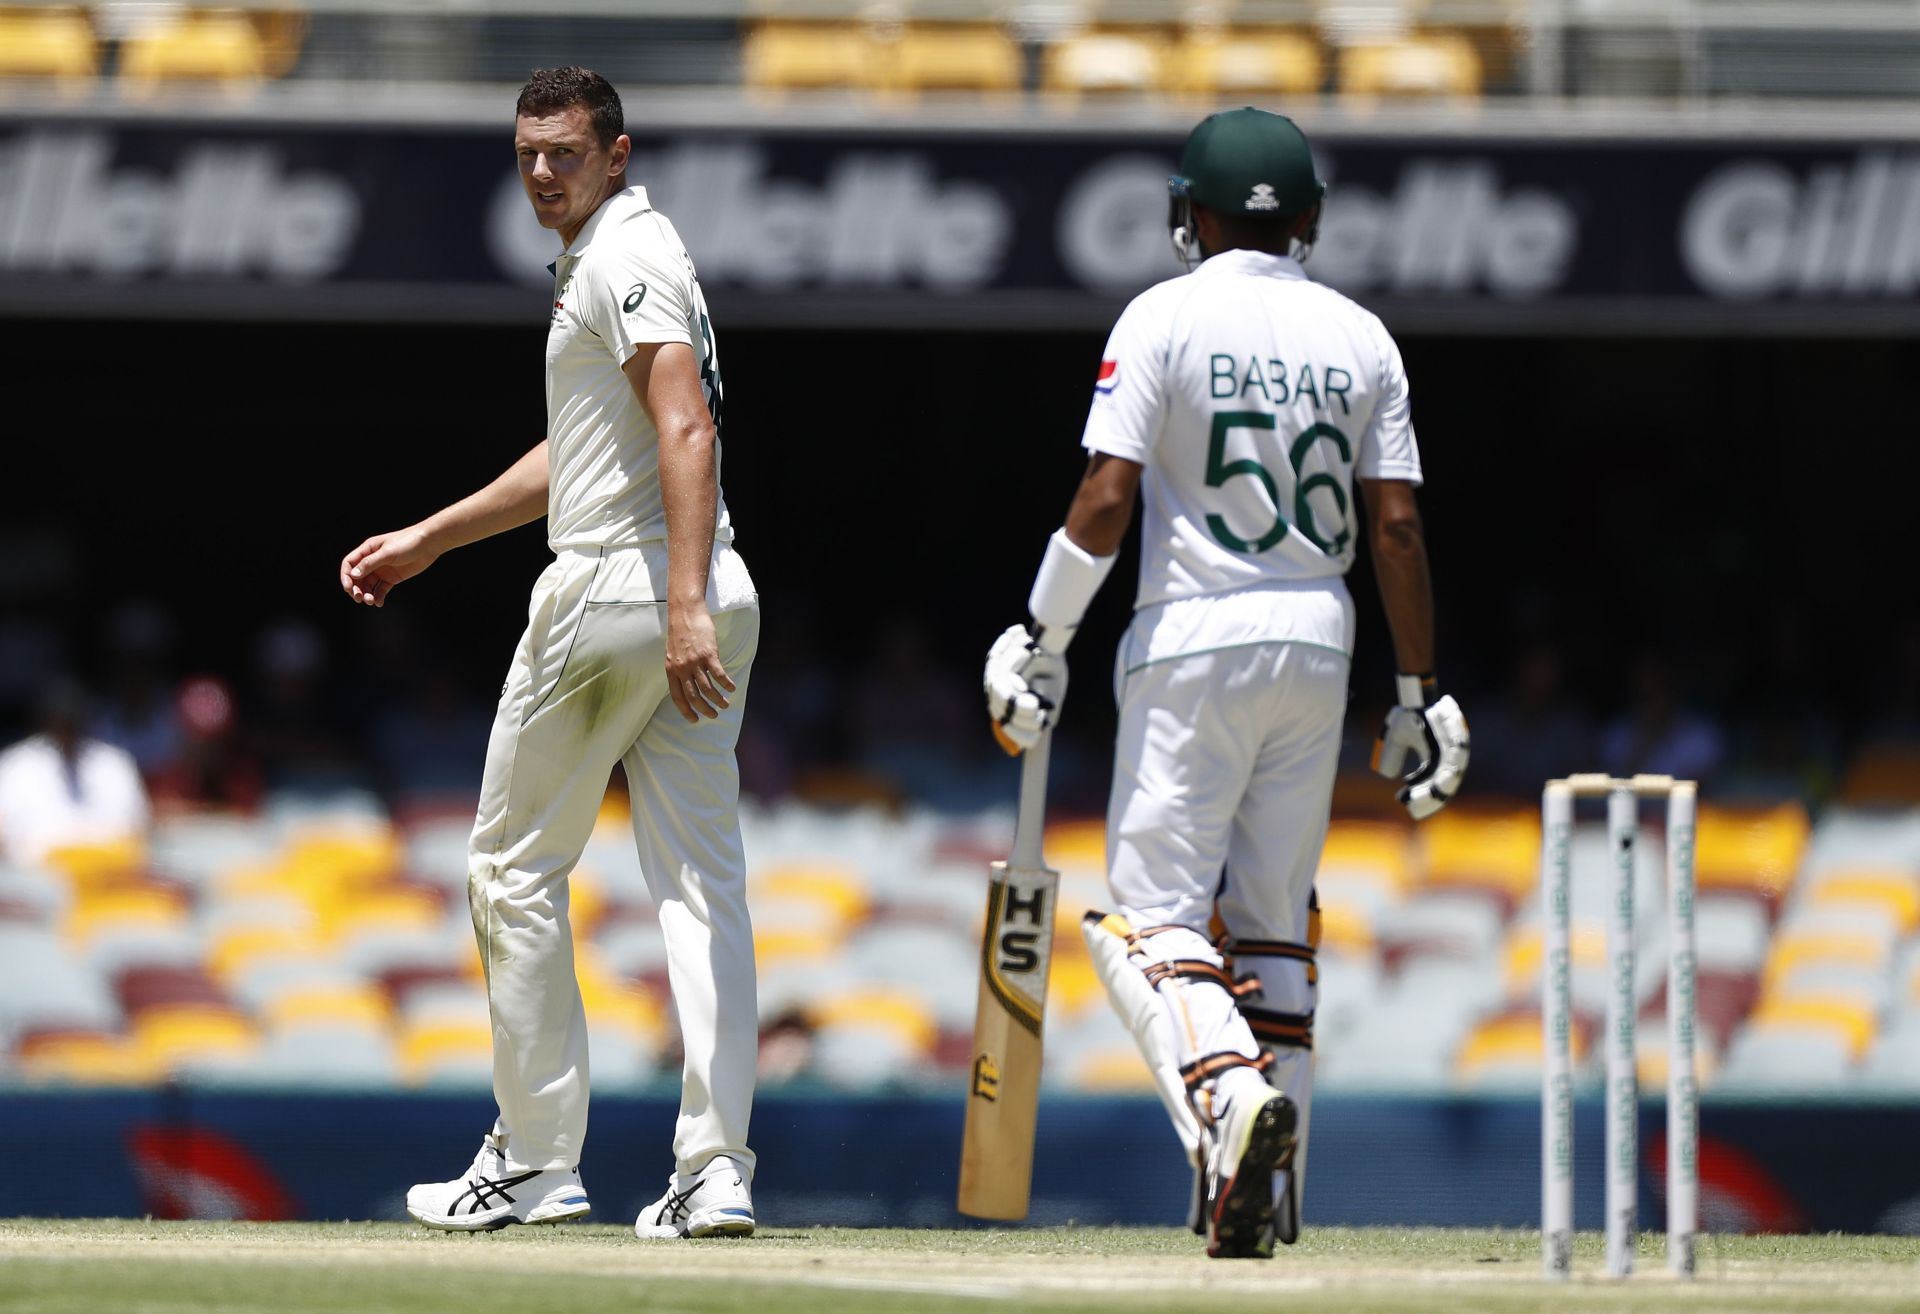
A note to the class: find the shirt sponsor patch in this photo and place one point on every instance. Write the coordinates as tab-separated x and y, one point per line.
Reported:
1109	376
635	295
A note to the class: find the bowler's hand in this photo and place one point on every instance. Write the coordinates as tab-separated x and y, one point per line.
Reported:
695	676
369	572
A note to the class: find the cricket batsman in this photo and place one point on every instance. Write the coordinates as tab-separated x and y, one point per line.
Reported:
1242	402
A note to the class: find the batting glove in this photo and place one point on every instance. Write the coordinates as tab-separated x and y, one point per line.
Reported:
1435	731
1019	674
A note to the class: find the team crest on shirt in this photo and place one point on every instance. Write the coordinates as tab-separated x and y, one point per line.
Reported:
1109	376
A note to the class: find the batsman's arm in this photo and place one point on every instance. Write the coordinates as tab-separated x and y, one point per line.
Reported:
517	497
1102	507
1399	545
666	378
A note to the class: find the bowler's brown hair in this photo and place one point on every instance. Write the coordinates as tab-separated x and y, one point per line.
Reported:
551	90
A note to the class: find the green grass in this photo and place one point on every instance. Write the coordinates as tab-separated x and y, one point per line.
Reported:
132	1267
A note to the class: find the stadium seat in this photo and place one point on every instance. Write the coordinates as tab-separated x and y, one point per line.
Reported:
1508	1050
329	1004
1894	1059
1497	850
780	55
445	1034
1755	850
45	987
53	43
90	866
1456	922
196	847
172	1035
954	57
84	1058
1764	1059
1894	894
942	961
871	1036
1851	1021
1119	61
1730	934
1429	65
1246	62
1831	934
217	46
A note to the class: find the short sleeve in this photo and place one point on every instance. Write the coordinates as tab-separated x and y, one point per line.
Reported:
1130	396
1387	448
639	289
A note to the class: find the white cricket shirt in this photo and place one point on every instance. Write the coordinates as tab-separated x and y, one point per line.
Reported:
626	281
1253	397
47	802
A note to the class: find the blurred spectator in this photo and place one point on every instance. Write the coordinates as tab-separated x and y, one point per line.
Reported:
301	739
1533	734
792	727
61	787
210	771
30	655
139	711
786	1047
430	749
1657	733
916	723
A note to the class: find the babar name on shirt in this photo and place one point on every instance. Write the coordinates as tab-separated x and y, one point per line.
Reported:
1234	376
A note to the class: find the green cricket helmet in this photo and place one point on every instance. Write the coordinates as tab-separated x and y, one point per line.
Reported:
1243	161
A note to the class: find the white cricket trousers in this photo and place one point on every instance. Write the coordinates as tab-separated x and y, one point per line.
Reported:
588	689
1223	776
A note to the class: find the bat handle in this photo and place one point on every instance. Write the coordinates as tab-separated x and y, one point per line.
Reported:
1031	819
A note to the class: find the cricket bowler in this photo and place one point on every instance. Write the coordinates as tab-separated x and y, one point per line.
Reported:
640	637
1241	403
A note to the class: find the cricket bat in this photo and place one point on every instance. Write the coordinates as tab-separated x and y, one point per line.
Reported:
1003	1093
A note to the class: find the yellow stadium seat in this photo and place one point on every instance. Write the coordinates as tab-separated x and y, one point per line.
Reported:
1077	844
1651	1062
1377	848
394	908
1073	986
170	1034
1429	64
1249	62
90	866
771	945
48	43
1526	948
1466	848
1754	849
86	1058
1896	894
612	1002
1504	1043
1795	949
788	55
897	1014
213	45
426	1047
1345	929
282	32
353	1005
1104	63
1851	1019
838	890
234	950
975	57
135	906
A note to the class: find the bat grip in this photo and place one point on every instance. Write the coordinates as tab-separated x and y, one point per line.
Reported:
1030	820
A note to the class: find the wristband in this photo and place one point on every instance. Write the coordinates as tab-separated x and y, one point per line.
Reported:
1417	691
1069	577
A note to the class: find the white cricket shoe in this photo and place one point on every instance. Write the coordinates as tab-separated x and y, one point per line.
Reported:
490	1196
717	1202
1256	1140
